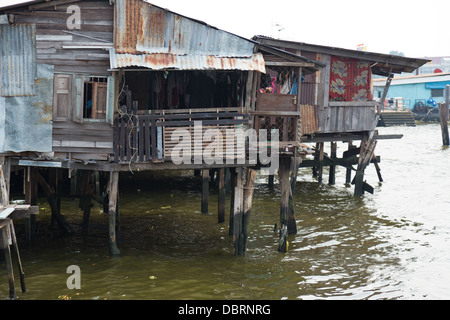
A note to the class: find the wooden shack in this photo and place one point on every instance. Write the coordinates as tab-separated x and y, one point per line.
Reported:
337	102
111	86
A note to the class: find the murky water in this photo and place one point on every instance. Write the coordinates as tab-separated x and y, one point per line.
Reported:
390	245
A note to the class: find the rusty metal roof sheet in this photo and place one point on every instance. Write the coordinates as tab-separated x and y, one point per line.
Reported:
161	61
17	59
144	28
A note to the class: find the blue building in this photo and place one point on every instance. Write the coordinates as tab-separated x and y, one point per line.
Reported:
418	93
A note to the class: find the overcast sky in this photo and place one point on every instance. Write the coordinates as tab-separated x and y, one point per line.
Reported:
415	28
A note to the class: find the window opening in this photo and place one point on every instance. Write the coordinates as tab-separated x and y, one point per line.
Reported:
94	102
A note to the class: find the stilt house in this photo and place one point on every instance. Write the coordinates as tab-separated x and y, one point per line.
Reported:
122	85
340	101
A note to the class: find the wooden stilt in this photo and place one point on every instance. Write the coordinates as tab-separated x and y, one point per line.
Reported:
247	209
6	238
205	190
233	179
332	175
321	155
221	196
348	172
238	212
271	180
283	176
85	199
30	187
443	117
51	198
315	169
3	188
291	222
366	152
118	234
377	167
19	262
113	192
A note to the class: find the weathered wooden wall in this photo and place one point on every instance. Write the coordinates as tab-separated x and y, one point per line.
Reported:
72	50
86	141
75	53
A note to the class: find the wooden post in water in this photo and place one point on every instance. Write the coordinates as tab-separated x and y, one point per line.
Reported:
205	190
348	172
51	198
368	145
291	222
238	211
30	187
443	116
19	262
332	175
221	196
285	189
247	209
85	199
321	156
270	182
233	179
6	238
113	193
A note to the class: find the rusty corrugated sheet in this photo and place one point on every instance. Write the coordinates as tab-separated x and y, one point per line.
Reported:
142	28
160	61
17	59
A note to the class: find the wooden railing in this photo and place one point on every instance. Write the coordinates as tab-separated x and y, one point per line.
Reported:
285	122
140	137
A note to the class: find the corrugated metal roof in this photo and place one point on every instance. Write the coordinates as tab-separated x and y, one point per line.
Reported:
144	28
17	59
161	61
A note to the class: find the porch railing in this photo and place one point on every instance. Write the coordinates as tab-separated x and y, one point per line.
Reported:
140	137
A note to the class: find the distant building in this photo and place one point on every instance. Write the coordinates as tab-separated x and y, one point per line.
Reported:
436	65
414	92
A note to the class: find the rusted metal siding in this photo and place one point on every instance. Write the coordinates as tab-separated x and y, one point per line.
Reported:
155	38
159	61
144	28
17	59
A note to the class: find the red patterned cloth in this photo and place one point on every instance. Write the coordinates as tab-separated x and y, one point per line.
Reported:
350	80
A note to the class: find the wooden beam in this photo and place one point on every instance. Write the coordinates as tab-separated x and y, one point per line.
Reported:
353	103
290	64
50	4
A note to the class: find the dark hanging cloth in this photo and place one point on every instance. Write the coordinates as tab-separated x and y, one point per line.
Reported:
201	90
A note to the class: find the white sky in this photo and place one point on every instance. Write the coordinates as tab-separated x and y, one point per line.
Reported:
416	28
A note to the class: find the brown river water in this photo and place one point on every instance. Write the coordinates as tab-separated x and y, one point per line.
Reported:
394	244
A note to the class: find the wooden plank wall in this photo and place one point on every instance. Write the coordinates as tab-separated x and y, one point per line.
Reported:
77	141
82	51
348	119
73	50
